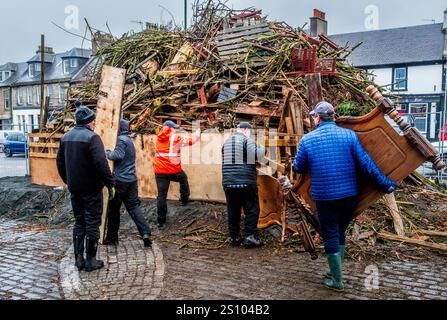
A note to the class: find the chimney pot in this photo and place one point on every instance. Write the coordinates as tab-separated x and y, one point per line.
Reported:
318	24
319	14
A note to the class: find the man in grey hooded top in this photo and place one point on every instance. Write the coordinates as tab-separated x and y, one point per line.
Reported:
126	189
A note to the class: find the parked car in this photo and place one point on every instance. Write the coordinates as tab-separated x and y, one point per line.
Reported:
3	135
16	143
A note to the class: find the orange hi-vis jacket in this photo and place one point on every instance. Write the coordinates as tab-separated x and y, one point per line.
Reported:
168	158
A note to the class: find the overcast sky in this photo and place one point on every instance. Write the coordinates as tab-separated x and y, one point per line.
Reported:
23	21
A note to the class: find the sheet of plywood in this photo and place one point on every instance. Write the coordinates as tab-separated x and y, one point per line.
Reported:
44	172
201	162
108	116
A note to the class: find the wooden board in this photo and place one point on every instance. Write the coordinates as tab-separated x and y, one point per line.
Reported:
208	150
44	172
108	117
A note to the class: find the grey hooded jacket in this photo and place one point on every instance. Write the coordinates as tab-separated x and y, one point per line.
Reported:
124	156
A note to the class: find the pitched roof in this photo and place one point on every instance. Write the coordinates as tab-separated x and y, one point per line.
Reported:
20	68
78	53
53	71
417	44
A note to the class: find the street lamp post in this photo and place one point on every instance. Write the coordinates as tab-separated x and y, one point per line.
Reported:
186	14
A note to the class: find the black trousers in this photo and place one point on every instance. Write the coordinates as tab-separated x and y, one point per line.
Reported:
238	199
334	217
87	210
163	182
126	192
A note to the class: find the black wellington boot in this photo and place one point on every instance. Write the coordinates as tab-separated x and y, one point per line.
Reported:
78	244
91	264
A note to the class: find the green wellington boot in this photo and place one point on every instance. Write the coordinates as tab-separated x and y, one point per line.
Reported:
336	282
328	274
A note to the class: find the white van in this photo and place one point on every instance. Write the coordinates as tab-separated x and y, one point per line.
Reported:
3	135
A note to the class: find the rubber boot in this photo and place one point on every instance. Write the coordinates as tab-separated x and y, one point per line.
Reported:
336	282
91	264
328	274
147	241
78	244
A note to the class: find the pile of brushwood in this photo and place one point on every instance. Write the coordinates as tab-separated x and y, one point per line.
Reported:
230	65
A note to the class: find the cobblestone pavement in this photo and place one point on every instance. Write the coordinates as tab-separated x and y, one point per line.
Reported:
239	274
29	257
131	272
33	266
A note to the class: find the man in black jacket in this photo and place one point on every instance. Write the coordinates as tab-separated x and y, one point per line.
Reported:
240	154
82	165
127	189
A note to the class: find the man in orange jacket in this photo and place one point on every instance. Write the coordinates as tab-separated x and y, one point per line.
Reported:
168	167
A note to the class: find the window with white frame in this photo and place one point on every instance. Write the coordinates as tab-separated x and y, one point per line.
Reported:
38	95
19	92
37	67
66	66
50	93
6	99
29	95
74	63
1	77
400	79
419	112
31	70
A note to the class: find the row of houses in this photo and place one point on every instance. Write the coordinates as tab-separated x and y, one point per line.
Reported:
20	86
410	62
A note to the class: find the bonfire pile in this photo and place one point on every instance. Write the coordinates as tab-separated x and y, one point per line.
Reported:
229	66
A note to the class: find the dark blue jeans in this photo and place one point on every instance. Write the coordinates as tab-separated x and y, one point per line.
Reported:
127	193
238	199
335	217
87	210
163	182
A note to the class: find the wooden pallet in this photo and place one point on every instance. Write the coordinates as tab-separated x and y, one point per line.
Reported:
233	43
44	145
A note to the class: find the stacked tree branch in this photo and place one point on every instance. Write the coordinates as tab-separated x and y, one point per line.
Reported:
231	65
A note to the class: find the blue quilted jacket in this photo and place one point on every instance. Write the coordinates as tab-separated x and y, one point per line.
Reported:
333	154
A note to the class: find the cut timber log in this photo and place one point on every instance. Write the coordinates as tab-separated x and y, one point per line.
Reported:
430	245
108	116
390	201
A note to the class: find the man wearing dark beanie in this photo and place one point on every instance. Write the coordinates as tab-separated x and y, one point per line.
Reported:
82	165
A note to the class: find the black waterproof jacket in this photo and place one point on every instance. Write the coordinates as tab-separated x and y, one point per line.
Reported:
240	155
82	163
124	156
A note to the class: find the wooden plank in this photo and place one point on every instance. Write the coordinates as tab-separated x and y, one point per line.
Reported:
240	45
46	135
256	111
258	31
240	29
235	52
297	114
44	172
42	155
244	39
108	116
43	145
314	93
